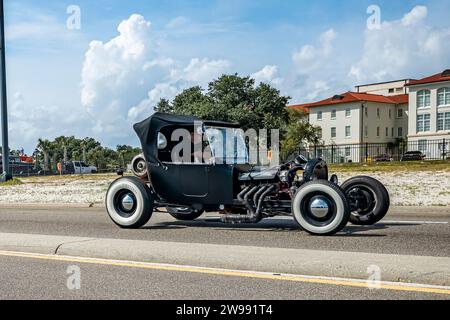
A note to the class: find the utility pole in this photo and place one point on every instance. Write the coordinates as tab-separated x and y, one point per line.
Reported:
4	107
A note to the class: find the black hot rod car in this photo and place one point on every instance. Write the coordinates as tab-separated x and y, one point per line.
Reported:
228	184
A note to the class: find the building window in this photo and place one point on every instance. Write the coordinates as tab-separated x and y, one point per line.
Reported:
333	132
348	113
366	112
423	122
443	121
333	114
378	113
392	132
399	89
387	132
423	145
378	131
424	99
366	131
348	131
400	132
443	97
400	113
319	115
348	151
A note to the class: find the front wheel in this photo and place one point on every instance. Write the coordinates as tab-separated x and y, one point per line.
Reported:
321	208
369	200
129	203
185	213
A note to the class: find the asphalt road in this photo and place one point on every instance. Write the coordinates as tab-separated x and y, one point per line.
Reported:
407	232
427	235
34	279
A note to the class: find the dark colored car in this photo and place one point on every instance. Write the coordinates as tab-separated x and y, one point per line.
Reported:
226	183
413	156
382	158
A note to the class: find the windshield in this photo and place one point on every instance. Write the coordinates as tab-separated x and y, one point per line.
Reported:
227	145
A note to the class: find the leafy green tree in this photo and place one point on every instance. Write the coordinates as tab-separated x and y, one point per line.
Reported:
235	99
44	146
298	131
164	106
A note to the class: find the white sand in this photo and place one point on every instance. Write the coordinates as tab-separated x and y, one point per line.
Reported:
406	189
413	188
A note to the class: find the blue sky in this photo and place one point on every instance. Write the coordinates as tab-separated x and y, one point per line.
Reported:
61	83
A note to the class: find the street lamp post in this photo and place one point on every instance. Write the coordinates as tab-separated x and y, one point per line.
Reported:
4	109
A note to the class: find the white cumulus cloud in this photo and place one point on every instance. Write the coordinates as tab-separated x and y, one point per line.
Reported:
408	47
124	78
269	74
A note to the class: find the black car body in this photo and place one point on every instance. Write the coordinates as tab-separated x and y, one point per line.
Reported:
228	184
383	158
413	156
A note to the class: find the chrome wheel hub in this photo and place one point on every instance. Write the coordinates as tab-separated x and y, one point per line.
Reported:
319	207
127	202
141	166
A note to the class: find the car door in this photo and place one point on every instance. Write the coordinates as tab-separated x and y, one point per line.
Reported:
194	180
77	167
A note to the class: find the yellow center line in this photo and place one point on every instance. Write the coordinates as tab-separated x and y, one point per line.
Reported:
235	273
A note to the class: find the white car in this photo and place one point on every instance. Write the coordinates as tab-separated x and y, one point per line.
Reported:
82	168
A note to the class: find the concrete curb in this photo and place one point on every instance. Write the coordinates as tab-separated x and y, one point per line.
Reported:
396	268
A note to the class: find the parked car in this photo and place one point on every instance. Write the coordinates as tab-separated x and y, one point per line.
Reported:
413	156
79	167
240	192
383	158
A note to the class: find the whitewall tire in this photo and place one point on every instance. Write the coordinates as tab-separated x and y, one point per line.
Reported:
129	202
321	208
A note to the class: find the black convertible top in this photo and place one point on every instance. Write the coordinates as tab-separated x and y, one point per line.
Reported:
148	130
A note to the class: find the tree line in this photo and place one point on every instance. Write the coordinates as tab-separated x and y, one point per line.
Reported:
49	153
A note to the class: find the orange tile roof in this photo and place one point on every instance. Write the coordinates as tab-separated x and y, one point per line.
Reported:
299	107
355	97
443	76
400	99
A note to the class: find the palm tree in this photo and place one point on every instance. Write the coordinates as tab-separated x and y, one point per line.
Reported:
44	146
64	143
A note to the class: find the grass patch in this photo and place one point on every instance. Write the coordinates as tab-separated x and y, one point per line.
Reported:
392	166
13	182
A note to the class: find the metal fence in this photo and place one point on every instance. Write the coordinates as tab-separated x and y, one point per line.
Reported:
369	152
23	170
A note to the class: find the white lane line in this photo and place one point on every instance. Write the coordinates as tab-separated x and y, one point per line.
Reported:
414	222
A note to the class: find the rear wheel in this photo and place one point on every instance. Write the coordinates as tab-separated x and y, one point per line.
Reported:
368	198
320	208
129	203
184	213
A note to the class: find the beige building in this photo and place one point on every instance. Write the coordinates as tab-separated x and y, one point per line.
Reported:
390	88
382	113
357	118
429	114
